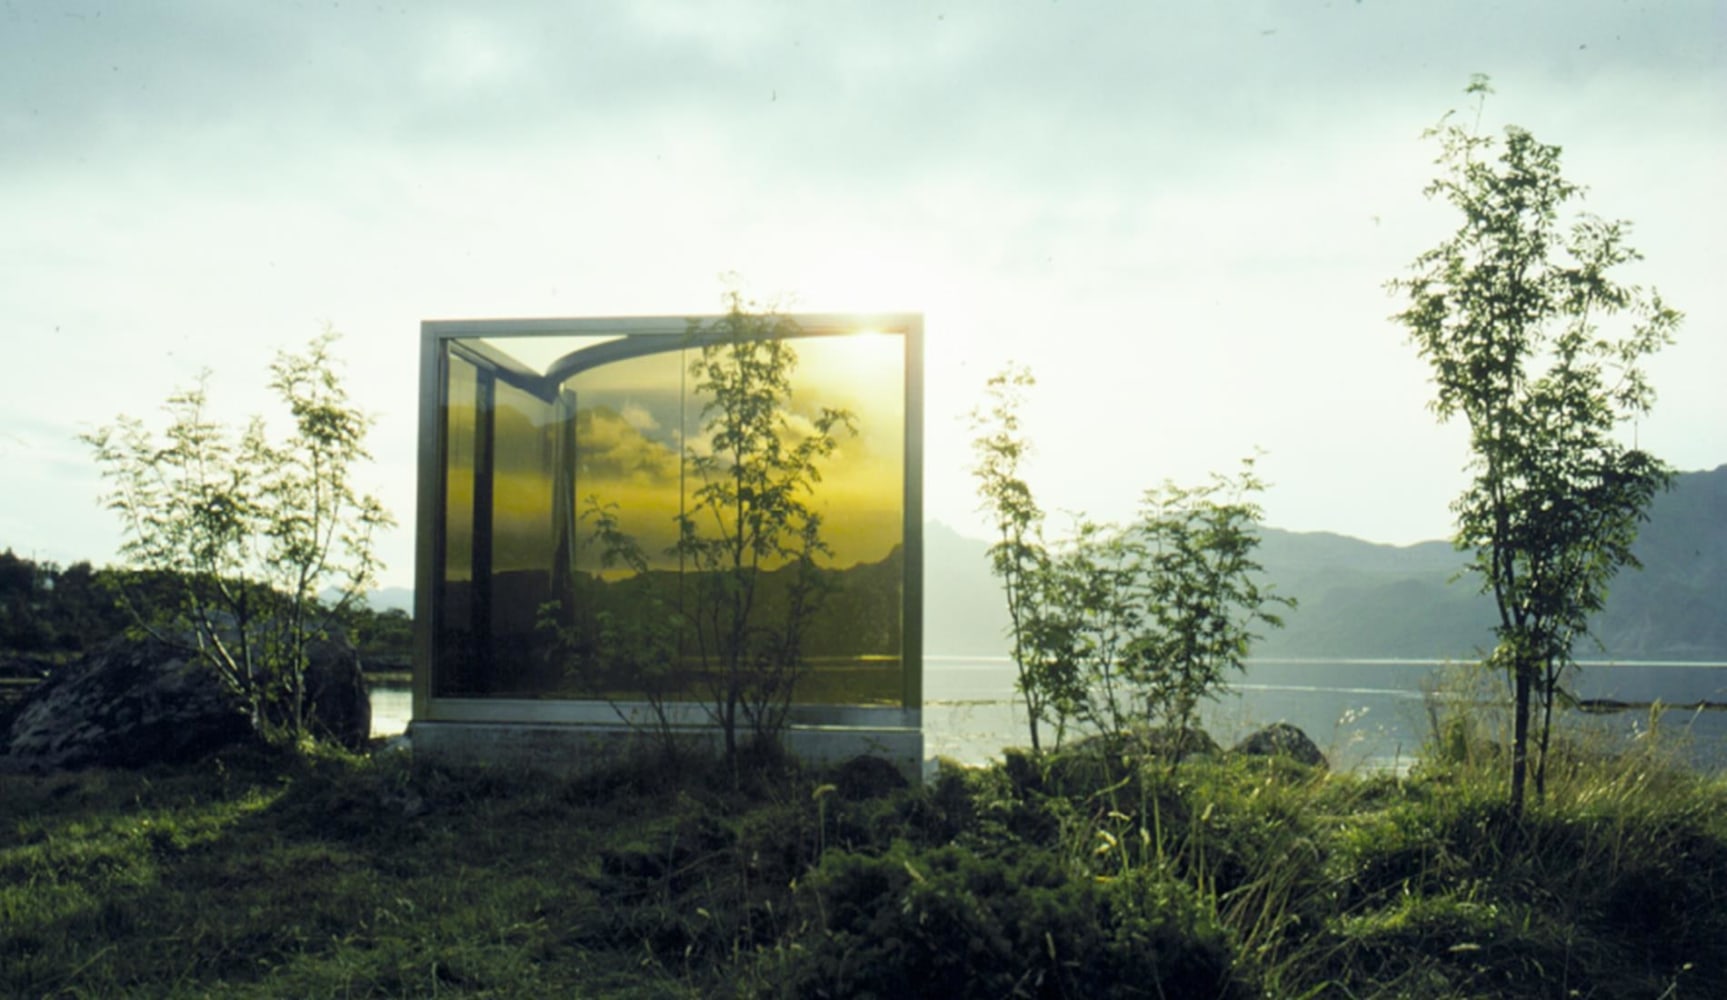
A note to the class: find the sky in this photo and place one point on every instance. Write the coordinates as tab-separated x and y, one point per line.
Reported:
1180	216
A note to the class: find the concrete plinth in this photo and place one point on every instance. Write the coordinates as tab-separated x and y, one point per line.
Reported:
556	748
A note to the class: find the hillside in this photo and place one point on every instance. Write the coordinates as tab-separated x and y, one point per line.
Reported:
1363	600
1357	599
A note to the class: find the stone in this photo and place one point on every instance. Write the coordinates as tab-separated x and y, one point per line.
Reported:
338	709
1105	758
137	702
130	703
1284	740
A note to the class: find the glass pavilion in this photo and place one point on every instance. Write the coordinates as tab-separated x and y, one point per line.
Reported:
603	551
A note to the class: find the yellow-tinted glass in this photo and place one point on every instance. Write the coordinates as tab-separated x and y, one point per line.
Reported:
599	515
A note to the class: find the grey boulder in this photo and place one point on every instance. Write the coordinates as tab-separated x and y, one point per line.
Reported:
128	704
135	702
1283	740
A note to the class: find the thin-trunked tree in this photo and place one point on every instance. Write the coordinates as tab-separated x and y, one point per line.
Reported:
1111	627
1510	312
750	517
1039	642
728	626
243	536
1199	594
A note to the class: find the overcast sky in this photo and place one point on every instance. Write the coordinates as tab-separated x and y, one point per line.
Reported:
1180	215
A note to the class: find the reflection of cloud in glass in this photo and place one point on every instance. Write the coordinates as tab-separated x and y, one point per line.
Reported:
635	424
611	448
637	416
860	495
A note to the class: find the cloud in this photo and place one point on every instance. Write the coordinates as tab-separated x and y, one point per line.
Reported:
638	417
612	451
874	92
1168	209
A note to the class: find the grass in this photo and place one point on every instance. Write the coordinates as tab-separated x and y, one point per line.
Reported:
1071	874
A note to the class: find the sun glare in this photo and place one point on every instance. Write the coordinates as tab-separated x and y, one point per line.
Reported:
867	355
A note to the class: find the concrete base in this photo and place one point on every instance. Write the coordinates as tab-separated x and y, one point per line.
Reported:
572	749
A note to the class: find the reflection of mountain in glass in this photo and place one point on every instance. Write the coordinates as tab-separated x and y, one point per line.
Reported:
851	644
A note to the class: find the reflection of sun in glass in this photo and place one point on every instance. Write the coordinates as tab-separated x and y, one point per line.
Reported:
863	372
860	493
868	356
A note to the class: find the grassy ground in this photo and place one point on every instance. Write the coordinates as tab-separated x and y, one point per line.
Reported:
1085	873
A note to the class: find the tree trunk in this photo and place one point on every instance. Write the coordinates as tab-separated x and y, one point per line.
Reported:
1520	736
1548	683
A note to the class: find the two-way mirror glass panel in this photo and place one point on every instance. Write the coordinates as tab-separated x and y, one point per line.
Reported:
628	516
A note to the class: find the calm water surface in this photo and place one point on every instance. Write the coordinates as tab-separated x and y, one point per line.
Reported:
1363	713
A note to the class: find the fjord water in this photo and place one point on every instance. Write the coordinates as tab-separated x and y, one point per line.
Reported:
1369	714
1363	713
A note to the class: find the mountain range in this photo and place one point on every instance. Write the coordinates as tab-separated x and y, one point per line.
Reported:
1361	600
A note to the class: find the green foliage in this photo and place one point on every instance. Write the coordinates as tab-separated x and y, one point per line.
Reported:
1611	886
244	534
734	625
1198	597
1116	628
383	636
61	611
1512	313
1018	555
1089	625
947	922
751	513
47	609
1072	873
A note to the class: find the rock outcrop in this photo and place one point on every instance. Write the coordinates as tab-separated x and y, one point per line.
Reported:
128	704
337	705
133	703
1284	740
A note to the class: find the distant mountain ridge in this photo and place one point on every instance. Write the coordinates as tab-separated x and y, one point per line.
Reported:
392	599
1359	599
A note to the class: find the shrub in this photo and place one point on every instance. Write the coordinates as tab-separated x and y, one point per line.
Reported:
947	922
